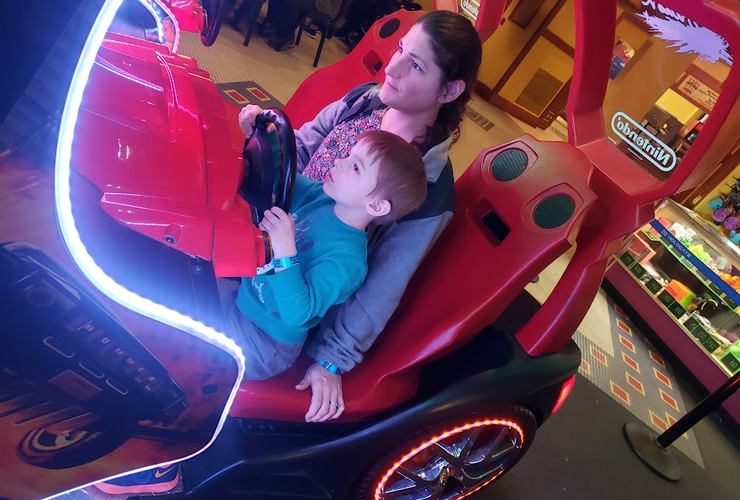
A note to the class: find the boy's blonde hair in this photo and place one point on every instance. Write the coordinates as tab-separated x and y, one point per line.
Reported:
402	179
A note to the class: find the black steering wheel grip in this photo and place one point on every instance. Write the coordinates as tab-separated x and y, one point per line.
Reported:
213	11
259	170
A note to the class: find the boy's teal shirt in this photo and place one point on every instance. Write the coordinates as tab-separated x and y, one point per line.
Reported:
332	264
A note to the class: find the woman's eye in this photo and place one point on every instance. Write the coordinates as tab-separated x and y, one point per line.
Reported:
417	67
356	168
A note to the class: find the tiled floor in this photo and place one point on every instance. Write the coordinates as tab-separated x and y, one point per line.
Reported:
637	377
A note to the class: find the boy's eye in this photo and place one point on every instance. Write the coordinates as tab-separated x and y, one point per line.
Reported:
356	168
417	67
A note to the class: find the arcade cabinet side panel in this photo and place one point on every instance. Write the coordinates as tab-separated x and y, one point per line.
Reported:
89	388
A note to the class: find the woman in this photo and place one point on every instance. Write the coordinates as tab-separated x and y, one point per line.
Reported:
428	83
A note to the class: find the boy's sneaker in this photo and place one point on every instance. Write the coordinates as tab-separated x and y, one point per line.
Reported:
159	480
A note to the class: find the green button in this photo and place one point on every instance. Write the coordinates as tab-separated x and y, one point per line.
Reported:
677	310
691	323
666	298
653	285
701	334
627	259
638	270
731	362
710	345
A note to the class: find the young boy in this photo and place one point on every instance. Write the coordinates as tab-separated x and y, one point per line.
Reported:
320	250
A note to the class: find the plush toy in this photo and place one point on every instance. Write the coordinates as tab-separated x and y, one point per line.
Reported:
732	223
720	215
716	203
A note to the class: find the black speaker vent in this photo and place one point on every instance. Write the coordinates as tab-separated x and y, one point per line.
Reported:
509	164
389	28
554	211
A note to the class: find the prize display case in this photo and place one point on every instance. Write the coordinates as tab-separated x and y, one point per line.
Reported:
681	274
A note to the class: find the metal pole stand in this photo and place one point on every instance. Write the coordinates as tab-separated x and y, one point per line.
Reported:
652	448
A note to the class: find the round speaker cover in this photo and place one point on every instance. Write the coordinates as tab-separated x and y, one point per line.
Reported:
554	211
389	28
509	164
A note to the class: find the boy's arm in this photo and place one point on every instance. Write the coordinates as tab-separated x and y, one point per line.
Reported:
351	328
302	297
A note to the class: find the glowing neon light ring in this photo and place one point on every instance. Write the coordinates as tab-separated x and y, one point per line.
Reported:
76	248
517	444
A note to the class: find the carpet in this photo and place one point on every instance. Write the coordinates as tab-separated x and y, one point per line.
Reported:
242	93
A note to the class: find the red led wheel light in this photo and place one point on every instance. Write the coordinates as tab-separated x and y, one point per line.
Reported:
378	495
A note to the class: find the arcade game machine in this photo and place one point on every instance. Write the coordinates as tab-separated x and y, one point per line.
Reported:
116	361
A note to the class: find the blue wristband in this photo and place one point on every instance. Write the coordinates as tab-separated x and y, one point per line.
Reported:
285	262
330	367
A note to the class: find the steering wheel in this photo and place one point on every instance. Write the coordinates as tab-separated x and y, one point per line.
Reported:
212	12
259	170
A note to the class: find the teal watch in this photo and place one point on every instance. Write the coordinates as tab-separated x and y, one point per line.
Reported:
330	367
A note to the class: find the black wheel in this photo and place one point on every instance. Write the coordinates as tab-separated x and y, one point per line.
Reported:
54	450
212	14
454	459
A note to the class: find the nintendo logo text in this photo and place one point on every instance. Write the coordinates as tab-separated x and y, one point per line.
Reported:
643	142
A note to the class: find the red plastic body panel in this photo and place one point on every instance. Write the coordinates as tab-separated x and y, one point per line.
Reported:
626	192
165	156
188	13
428	323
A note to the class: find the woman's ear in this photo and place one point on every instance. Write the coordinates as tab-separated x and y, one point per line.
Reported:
379	208
452	91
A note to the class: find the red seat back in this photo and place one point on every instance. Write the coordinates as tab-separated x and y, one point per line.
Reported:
519	206
365	63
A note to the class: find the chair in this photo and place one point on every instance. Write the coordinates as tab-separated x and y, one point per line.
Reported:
325	24
256	8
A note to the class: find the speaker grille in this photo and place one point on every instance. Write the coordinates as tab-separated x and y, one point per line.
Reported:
509	164
554	211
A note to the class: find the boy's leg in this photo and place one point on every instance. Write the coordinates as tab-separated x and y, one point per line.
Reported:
264	357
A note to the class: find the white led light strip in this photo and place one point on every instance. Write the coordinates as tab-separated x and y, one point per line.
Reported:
71	236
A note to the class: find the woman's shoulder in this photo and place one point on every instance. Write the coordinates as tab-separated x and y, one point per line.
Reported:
361	90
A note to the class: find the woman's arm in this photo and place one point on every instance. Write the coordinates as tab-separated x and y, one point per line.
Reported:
351	328
309	137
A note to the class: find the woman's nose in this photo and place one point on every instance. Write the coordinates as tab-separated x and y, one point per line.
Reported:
393	65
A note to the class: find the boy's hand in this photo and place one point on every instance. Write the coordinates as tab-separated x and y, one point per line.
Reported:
326	393
248	117
281	228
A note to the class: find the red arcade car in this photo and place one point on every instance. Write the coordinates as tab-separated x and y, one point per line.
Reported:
152	196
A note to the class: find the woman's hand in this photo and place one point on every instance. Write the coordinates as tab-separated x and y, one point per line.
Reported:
281	228
326	393
247	118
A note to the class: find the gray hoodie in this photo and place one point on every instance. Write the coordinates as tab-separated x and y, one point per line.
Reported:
395	250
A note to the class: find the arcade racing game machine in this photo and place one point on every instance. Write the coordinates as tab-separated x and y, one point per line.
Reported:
113	359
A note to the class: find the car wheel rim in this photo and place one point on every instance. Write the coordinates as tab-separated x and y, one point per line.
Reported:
454	464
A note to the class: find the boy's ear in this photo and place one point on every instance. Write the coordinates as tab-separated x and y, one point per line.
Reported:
378	208
452	91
